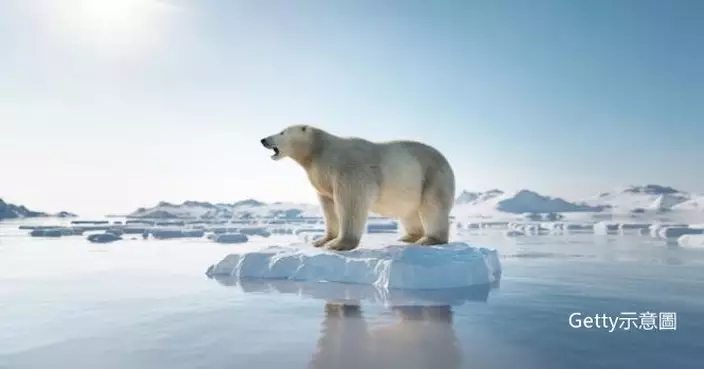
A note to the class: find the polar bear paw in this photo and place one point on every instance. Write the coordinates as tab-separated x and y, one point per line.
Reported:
342	244
410	238
430	240
323	240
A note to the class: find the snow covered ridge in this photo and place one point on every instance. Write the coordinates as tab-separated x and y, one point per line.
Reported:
633	200
642	199
10	211
455	265
242	209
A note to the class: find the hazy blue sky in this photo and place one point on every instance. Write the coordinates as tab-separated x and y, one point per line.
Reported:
108	105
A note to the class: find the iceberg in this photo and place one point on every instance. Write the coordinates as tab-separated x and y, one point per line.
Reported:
453	265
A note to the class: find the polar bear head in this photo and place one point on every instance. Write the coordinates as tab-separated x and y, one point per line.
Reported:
296	142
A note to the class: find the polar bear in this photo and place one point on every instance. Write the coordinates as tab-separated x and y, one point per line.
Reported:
405	180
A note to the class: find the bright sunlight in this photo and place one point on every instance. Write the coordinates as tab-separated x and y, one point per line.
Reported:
102	24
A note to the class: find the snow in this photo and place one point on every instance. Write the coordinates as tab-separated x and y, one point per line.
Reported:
519	202
635	203
244	209
647	197
694	203
453	265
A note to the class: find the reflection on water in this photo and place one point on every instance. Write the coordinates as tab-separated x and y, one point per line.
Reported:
421	335
341	292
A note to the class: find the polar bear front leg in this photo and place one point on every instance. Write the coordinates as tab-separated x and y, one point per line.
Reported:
331	223
353	199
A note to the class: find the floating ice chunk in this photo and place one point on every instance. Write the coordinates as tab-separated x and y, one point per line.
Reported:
221	230
676	232
255	231
134	230
231	238
162	234
57	232
103	237
655	228
573	227
605	228
691	240
196	233
513	233
405	267
637	227
534	229
90	222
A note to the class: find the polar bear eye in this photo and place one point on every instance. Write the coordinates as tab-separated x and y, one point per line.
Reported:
282	133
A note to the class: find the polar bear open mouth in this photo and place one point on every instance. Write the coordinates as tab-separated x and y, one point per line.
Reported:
276	152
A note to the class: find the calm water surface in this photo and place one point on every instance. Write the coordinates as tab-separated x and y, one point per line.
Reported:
147	304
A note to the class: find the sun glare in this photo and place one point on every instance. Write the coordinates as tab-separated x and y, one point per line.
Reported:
115	15
109	23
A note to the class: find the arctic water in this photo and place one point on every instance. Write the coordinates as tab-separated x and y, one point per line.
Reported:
148	304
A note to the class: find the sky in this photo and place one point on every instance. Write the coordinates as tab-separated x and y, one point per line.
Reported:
110	105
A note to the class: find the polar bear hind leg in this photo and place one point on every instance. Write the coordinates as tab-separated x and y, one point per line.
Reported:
437	202
413	228
435	224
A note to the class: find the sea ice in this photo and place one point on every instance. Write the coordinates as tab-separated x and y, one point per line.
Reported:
691	240
104	237
676	232
453	265
605	228
231	238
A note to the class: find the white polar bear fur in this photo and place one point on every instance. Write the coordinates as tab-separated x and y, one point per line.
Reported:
406	180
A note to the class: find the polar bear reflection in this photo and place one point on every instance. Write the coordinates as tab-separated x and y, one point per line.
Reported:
423	338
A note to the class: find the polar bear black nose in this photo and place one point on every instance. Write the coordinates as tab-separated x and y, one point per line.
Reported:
263	141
